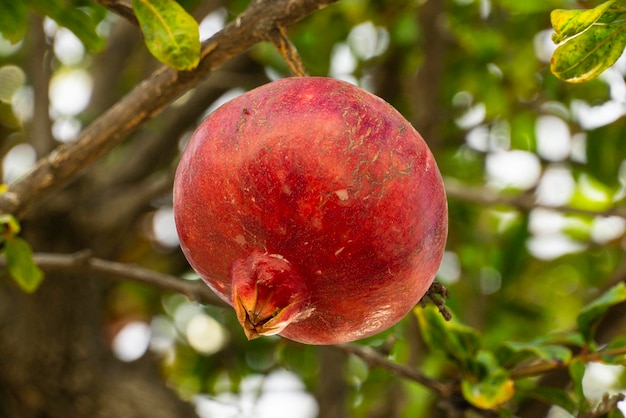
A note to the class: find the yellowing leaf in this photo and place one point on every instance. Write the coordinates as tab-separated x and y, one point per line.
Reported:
590	42
489	393
568	23
10	225
171	34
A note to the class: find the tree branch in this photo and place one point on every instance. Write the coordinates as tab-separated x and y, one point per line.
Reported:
544	367
487	197
122	8
147	100
39	72
83	262
373	358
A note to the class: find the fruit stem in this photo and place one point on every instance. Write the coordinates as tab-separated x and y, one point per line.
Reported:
278	38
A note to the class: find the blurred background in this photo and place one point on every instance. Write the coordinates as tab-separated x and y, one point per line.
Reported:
534	168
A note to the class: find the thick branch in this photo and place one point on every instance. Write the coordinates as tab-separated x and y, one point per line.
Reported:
147	100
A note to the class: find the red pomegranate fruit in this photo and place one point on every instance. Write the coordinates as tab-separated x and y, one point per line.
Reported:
313	208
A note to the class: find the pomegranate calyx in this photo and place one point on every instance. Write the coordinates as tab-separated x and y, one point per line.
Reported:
268	294
255	325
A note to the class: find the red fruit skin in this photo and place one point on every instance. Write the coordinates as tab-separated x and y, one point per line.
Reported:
331	179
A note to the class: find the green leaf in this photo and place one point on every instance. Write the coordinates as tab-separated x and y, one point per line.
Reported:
21	265
569	23
73	18
616	344
13	20
613	353
592	194
589	54
569	338
591	314
461	343
553	396
577	372
512	353
171	34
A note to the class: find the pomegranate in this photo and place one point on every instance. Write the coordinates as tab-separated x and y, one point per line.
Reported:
313	208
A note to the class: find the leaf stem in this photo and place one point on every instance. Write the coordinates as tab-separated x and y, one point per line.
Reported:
278	37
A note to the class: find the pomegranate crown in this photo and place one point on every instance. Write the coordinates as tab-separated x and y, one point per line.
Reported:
268	294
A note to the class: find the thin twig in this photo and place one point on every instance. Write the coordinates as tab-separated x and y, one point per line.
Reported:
607	404
278	37
84	262
372	358
438	293
487	197
550	366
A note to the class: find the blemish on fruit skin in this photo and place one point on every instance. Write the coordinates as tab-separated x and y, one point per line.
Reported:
241	240
339	251
342	194
278	256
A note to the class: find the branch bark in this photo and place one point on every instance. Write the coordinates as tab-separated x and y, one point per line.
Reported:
40	72
147	100
121	7
83	262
